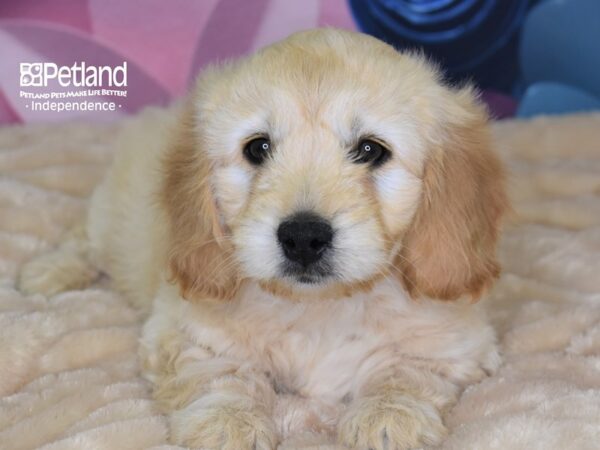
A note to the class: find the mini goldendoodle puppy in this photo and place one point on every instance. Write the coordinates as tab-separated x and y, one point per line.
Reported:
309	232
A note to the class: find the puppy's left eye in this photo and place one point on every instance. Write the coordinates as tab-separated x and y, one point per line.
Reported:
257	150
370	152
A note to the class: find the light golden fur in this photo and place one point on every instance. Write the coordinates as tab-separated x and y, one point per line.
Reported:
242	357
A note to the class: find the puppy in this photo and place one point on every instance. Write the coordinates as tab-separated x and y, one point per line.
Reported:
310	231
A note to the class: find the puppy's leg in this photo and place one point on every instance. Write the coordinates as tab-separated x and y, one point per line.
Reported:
393	416
213	402
64	268
232	414
401	403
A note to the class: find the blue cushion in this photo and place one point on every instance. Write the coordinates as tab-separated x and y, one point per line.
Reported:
555	98
561	43
469	38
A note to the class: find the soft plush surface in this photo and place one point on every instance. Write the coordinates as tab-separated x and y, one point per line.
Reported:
68	372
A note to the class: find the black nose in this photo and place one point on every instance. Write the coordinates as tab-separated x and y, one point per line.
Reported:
304	237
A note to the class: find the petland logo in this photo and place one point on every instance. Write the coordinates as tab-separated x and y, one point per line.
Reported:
77	75
77	88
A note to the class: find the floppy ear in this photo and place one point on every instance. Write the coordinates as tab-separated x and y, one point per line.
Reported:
199	259
449	249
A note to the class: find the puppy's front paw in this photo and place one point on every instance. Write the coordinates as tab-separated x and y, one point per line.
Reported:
393	421
223	428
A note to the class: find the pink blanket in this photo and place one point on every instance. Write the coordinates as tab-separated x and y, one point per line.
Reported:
165	43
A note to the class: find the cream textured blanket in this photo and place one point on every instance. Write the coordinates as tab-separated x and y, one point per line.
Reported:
68	372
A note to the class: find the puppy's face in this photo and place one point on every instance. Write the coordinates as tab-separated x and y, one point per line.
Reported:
320	157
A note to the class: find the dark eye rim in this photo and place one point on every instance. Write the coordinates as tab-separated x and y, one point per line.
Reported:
383	157
250	156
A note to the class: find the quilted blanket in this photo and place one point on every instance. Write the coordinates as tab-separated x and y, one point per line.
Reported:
69	377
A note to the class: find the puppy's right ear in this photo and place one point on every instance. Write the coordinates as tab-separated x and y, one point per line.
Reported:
200	258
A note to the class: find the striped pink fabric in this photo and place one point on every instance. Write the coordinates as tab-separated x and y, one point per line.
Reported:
165	43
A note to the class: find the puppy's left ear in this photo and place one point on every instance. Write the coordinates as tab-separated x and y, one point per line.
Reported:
449	249
200	257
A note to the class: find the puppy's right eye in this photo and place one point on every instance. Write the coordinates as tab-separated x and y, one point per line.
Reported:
257	150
